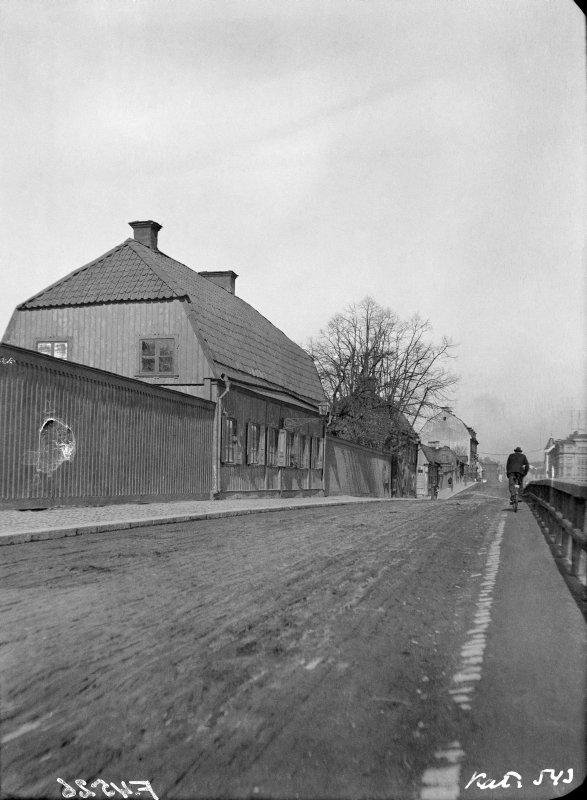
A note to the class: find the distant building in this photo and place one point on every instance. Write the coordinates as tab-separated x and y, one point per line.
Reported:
566	459
489	470
447	430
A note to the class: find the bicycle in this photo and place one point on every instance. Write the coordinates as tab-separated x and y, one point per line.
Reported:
515	484
516	497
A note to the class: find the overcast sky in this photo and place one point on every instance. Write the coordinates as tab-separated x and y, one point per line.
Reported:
429	153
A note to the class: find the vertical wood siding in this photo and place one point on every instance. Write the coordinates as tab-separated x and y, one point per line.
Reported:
107	336
355	470
245	408
75	435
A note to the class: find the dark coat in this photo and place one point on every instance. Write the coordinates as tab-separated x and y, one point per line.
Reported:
517	462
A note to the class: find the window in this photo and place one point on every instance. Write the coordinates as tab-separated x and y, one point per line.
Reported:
292	450
255	443
157	356
230	443
272	446
53	347
304	452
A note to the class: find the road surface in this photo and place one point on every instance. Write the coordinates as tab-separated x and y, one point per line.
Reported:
336	652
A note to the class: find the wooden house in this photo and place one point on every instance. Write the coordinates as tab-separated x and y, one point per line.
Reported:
137	312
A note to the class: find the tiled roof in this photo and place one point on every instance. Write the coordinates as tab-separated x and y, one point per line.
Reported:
117	276
430	453
240	342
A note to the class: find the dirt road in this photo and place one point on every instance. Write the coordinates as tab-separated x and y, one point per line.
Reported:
303	653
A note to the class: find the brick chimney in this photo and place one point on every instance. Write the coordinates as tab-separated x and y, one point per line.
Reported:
226	280
146	232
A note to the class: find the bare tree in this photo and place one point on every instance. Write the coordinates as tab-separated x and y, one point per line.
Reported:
368	358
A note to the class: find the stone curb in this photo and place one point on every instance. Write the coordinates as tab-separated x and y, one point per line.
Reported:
44	534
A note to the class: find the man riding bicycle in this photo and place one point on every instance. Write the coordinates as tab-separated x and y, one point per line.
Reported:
516	469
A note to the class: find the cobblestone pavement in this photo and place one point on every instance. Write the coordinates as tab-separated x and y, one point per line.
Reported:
93	519
297	653
273	654
27	525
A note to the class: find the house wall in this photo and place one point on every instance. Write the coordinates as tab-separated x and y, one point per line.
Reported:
73	435
106	336
247	407
449	431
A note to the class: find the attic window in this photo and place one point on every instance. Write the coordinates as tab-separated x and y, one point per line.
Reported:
53	347
157	356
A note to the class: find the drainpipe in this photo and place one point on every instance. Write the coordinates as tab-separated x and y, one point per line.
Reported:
217	439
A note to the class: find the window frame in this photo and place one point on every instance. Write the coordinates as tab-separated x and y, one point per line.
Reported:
157	373
256	443
230	441
53	340
272	445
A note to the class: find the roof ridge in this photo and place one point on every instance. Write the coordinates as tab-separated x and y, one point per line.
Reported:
141	251
72	274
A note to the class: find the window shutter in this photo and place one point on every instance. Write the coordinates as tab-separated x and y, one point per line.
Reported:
262	444
281	448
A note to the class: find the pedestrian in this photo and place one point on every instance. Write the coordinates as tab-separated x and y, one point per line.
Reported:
450	482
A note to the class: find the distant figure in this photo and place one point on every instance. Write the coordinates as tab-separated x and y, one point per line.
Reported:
450	482
516	469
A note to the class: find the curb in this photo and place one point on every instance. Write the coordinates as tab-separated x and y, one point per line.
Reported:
45	534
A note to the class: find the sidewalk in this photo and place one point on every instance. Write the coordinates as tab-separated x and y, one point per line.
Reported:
56	523
17	527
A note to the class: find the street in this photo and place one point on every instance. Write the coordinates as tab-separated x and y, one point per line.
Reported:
292	654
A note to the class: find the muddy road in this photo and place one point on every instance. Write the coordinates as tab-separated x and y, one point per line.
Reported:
291	654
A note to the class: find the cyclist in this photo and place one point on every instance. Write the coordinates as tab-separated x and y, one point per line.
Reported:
516	469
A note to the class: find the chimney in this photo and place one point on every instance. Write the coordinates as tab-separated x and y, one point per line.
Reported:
225	280
146	232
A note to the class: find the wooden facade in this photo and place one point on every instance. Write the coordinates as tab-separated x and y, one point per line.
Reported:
352	469
107	336
75	435
269	446
138	313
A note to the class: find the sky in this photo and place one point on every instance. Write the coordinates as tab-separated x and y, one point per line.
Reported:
427	153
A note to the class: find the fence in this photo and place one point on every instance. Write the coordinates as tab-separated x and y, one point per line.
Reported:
560	510
355	470
75	435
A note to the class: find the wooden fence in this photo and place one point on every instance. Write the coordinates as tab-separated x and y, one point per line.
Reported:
74	435
355	470
560	509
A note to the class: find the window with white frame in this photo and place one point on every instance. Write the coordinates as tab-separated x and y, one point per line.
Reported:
58	348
